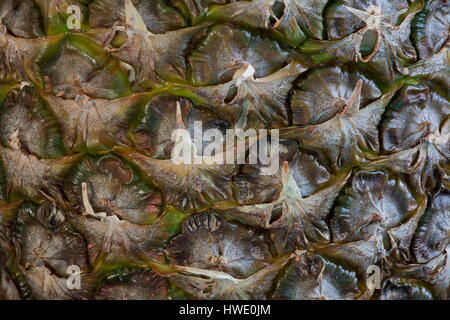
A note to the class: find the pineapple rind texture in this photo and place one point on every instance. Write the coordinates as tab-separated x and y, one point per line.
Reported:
92	205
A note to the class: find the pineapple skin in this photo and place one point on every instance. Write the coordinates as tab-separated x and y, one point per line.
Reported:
93	206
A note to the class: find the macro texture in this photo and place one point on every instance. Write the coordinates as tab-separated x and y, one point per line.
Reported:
353	96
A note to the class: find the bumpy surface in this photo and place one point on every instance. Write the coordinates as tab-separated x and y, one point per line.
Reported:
358	89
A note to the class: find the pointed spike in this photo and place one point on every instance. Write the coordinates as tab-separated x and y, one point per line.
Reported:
372	16
133	18
86	204
179	117
290	187
363	15
183	139
285	177
271	268
285	172
245	73
353	104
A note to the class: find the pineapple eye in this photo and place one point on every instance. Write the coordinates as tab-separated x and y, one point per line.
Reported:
210	66
317	98
314	277
115	189
209	241
430	32
375	203
432	235
341	22
154	128
24	20
28	125
50	257
416	112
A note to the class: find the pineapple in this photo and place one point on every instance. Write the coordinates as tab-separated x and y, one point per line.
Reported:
355	95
